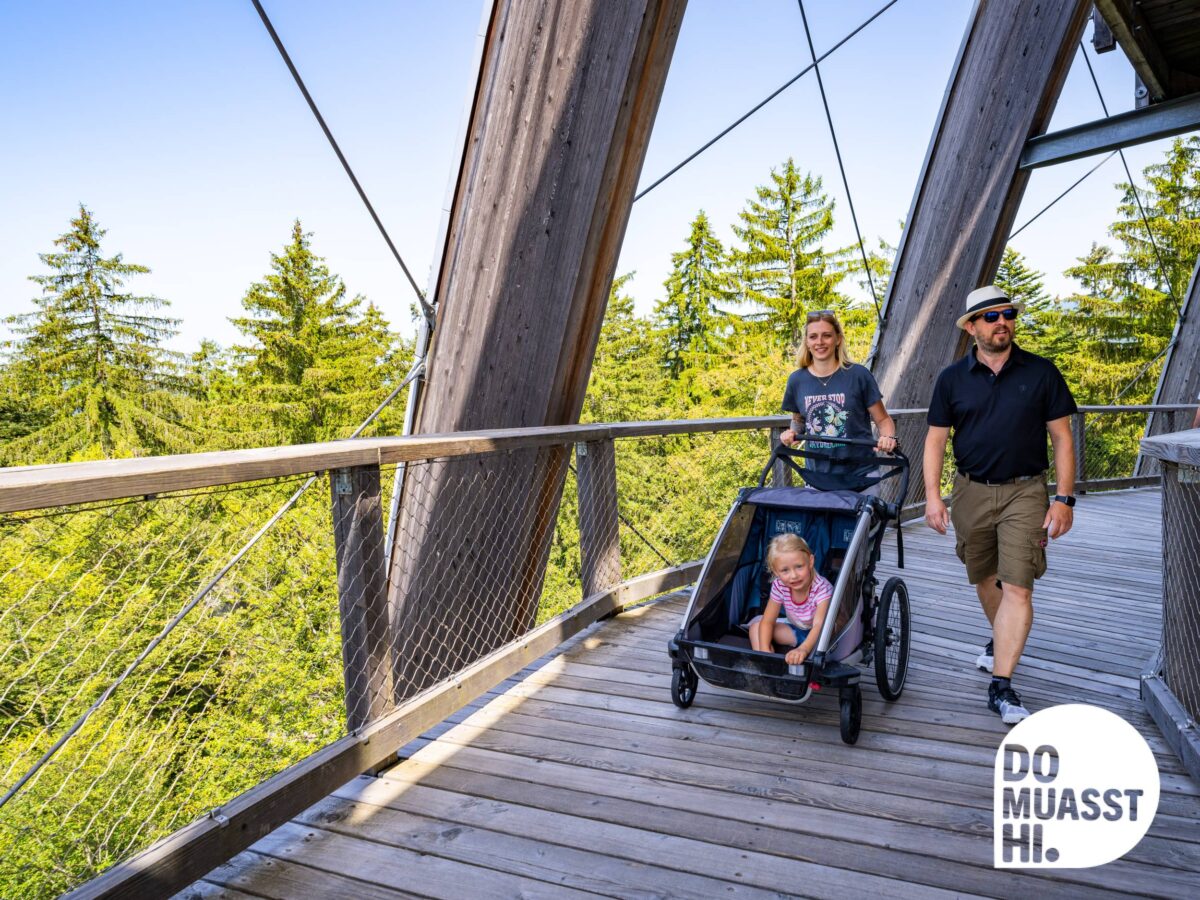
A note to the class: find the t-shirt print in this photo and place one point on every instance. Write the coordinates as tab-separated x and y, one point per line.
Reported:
825	414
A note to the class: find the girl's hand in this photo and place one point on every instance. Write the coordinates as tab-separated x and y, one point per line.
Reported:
886	443
796	655
788	437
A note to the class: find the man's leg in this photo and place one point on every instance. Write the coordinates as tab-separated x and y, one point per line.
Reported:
1022	560
1010	626
989	597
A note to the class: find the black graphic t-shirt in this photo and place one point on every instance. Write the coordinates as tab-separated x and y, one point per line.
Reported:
835	405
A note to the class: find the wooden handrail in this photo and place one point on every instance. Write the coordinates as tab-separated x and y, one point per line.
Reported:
42	487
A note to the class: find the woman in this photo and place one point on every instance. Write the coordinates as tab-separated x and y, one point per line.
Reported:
828	394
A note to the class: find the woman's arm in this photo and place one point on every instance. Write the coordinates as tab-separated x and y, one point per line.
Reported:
797	429
797	655
885	425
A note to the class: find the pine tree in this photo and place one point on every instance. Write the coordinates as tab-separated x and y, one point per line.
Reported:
693	317
315	365
1110	342
625	384
93	374
783	268
1041	325
1127	305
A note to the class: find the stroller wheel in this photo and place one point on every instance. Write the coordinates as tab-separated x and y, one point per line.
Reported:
851	704
892	639
683	686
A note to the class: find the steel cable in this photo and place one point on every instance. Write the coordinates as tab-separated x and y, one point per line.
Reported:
841	166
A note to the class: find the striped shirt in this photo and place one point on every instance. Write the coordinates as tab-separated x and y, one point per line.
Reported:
801	614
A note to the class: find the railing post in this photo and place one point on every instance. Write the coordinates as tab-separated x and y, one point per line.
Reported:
1079	439
599	537
781	472
362	592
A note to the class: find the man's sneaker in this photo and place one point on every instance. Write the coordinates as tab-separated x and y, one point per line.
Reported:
1007	702
984	659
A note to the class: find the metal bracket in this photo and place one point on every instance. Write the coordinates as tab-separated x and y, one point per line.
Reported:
343	485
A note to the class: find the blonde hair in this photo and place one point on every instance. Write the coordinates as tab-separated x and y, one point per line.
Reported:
804	357
786	543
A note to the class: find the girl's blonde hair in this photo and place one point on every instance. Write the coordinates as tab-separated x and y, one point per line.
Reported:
804	358
786	543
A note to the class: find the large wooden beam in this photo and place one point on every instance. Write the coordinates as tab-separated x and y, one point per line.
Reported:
566	98
1012	64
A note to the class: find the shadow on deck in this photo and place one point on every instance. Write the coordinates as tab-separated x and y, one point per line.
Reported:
580	776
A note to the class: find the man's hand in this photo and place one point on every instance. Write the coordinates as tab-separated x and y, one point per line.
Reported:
1059	519
788	437
796	655
937	516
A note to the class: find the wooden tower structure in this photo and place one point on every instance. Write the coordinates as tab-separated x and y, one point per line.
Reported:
562	113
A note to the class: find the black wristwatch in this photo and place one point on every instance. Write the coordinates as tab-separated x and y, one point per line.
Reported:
1064	498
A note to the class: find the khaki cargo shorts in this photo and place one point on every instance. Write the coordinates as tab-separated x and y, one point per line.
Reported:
998	529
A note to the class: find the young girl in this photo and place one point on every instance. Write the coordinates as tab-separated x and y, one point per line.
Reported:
800	592
828	394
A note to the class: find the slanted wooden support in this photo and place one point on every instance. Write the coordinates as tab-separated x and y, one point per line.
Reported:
1179	381
599	525
1002	91
362	592
567	94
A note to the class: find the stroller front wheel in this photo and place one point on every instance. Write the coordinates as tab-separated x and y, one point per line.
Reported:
892	639
851	709
683	686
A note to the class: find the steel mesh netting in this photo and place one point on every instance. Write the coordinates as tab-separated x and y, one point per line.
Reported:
674	492
248	682
1181	585
468	572
1110	448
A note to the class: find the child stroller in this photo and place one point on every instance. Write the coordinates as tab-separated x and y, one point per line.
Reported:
845	530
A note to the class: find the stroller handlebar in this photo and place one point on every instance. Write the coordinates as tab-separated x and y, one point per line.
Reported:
894	460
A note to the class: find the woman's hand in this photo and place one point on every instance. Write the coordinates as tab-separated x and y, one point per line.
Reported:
788	437
886	444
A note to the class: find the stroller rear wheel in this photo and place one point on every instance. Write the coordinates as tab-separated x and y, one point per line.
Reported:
851	707
683	686
892	639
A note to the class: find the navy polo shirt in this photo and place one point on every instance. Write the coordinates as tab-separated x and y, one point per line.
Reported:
999	420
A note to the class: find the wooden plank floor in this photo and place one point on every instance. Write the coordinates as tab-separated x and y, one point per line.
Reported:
580	777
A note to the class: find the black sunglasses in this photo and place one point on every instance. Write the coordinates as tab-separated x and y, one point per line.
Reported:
993	315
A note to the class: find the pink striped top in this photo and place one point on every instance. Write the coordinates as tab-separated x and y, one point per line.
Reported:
801	614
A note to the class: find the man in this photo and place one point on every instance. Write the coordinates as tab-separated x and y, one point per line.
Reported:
1001	402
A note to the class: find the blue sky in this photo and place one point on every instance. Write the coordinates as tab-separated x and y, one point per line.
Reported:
178	125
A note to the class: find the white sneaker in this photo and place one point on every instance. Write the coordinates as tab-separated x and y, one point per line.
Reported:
1008	703
984	660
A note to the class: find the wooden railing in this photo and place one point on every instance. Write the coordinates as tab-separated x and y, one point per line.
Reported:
1170	686
380	720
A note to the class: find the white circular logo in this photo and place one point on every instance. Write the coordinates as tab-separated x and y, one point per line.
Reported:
1075	786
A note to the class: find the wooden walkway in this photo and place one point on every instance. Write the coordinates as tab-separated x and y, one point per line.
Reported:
580	777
